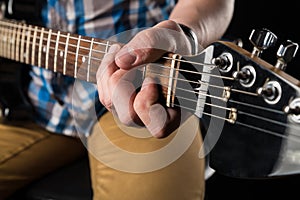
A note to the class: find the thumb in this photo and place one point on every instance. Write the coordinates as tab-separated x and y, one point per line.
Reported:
150	44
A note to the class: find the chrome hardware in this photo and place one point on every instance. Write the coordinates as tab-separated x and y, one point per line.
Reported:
224	62
286	53
261	40
246	76
293	110
271	92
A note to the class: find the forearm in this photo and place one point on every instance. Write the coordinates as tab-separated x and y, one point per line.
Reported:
208	18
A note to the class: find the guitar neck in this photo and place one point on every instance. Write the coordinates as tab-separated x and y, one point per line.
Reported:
70	54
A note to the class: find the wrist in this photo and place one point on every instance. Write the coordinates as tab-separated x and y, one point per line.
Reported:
192	37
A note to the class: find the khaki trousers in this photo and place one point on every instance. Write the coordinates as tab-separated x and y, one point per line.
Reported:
28	152
132	166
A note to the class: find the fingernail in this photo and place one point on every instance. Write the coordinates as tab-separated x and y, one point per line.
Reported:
113	48
146	82
126	56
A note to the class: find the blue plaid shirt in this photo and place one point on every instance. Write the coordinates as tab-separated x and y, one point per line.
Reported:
52	94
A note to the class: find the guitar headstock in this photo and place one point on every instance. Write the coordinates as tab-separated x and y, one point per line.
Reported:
264	138
269	84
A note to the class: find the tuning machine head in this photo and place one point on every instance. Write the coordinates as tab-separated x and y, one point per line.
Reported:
271	92
286	52
261	40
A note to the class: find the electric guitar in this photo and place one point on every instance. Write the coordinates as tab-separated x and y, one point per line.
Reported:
251	108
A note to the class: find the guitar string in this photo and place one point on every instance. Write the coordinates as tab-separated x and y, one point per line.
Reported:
257	107
204	113
268	120
287	137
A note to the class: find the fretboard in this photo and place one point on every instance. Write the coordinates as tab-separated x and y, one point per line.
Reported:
70	54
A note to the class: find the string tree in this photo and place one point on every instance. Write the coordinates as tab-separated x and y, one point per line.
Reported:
285	53
262	39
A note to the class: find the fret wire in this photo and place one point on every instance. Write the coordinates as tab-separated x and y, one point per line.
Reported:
1	42
11	42
22	44
18	43
8	37
47	49
27	44
66	52
13	56
33	45
40	47
106	48
6	43
76	56
7	54
55	54
89	60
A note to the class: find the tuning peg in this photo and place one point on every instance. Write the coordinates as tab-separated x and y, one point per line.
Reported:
261	40
286	53
271	92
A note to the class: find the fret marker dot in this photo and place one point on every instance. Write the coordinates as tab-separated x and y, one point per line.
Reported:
83	59
61	53
44	49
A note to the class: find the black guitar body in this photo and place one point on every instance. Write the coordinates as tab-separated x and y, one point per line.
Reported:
264	140
14	76
14	79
